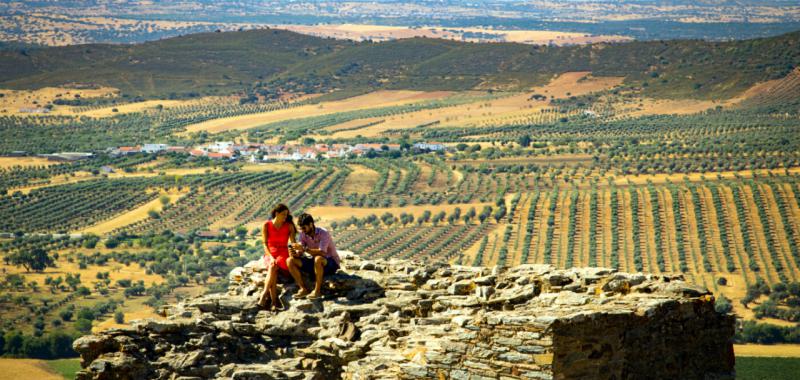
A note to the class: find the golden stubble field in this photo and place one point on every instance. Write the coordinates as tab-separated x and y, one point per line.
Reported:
11	162
362	32
371	100
135	215
13	102
116	271
501	110
18	369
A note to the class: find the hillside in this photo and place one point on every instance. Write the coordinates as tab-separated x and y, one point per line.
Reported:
218	63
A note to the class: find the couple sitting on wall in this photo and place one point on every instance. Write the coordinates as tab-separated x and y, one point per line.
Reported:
315	254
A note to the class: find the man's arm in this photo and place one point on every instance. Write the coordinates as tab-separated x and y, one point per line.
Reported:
324	242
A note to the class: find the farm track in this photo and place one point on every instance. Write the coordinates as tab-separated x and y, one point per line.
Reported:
627	242
519	222
560	248
538	229
583	225
605	230
646	229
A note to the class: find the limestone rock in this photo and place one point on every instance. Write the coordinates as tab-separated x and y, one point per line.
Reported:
398	319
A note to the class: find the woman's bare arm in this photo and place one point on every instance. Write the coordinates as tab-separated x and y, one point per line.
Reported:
264	234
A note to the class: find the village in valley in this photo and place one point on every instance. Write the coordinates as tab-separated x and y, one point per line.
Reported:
256	152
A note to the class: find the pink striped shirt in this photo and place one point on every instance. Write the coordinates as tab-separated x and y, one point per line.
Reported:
322	240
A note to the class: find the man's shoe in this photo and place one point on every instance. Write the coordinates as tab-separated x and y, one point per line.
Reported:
314	296
303	293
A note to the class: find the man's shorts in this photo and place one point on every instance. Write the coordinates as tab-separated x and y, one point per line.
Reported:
308	266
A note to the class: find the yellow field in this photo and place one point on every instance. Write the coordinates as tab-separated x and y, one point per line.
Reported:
85	176
16	369
135	215
643	179
502	109
9	162
556	159
14	100
53	181
360	180
88	276
764	350
648	106
144	106
135	309
327	214
383	33
269	166
371	100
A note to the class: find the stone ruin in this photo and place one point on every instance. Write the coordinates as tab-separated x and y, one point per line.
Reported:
408	320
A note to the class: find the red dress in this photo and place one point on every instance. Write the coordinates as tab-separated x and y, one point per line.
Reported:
278	243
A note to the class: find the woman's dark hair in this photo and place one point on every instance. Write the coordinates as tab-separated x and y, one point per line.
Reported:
305	219
280	207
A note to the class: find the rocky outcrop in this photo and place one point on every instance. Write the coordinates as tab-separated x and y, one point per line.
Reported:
407	320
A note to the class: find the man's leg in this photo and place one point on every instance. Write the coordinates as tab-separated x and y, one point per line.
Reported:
294	265
319	271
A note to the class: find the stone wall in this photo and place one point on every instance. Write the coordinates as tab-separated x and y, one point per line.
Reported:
406	320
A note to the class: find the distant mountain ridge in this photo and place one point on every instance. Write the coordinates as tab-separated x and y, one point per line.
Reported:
216	63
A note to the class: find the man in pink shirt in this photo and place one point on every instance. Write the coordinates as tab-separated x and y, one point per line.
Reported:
324	260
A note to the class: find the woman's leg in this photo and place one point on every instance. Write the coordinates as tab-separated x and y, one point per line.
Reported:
272	284
262	301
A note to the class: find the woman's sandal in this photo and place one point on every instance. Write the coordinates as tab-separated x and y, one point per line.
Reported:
278	307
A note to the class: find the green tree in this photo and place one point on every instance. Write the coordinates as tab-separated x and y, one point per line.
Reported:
241	232
83	291
66	315
13	343
36	259
73	280
524	141
61	345
83	325
723	305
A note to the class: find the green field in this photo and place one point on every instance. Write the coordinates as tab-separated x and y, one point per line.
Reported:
751	368
65	367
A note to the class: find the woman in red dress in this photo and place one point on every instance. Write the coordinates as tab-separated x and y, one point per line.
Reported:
277	233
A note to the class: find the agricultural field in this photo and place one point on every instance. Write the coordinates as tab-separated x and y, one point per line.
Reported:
360	32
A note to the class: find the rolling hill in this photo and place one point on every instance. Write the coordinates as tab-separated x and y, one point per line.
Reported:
215	63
